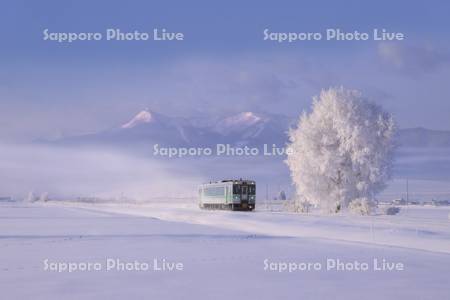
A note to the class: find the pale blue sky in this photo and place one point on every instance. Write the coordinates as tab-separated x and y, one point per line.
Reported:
223	66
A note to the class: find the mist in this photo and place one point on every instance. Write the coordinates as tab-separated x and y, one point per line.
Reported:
89	172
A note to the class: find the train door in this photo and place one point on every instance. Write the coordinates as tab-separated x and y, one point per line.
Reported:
244	193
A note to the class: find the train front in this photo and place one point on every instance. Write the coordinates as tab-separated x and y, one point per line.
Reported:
244	195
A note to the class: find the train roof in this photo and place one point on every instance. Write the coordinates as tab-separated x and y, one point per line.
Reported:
237	181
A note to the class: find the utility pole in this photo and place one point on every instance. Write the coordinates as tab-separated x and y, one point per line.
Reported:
407	191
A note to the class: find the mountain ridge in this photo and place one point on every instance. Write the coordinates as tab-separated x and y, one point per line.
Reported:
242	129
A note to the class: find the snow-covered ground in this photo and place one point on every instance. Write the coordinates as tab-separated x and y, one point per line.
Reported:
417	227
222	253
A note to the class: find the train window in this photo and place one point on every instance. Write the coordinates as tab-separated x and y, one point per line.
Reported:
251	190
215	191
236	189
244	190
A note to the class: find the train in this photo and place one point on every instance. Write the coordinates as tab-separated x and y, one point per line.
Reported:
228	194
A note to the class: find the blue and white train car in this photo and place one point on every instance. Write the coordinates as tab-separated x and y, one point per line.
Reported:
228	194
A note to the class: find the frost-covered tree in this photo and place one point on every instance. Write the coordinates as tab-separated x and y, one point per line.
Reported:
341	152
30	197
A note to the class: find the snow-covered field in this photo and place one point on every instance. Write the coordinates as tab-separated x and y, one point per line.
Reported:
417	227
223	253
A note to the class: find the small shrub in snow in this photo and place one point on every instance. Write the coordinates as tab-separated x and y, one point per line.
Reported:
303	206
361	206
31	197
43	197
297	206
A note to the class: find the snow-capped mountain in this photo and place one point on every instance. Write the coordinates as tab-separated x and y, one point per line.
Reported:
142	117
252	129
147	128
239	122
